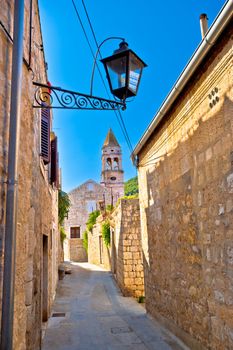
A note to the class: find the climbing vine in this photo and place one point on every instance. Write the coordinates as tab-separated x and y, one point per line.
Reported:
106	233
63	206
92	219
85	240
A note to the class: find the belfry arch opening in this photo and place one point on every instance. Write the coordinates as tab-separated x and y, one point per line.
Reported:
108	165
116	164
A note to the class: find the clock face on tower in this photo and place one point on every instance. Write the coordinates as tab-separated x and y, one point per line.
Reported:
113	178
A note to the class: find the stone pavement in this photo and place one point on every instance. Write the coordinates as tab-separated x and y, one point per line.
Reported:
91	314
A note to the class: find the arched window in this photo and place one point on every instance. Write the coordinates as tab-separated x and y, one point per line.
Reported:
108	164
116	164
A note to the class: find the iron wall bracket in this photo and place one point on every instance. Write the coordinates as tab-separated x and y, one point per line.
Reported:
55	97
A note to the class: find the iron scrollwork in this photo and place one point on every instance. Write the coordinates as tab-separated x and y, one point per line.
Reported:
55	97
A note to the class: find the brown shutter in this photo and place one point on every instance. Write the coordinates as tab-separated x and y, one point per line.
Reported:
45	134
58	173
54	161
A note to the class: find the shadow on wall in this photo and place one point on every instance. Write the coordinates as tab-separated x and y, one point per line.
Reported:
189	216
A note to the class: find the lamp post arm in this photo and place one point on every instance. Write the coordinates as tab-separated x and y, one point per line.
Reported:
56	97
96	56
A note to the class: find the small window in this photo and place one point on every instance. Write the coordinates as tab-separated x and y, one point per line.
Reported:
90	186
75	232
91	206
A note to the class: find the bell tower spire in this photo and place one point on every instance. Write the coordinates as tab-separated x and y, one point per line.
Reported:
112	176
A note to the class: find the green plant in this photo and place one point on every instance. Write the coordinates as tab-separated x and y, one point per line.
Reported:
62	234
85	240
92	219
131	186
109	208
141	299
63	206
134	196
106	233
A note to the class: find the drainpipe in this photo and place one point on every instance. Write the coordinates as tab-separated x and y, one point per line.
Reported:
12	181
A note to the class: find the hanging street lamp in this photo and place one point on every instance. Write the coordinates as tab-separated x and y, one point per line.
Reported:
124	70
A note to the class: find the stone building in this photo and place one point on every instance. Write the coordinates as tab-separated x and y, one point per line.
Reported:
112	176
185	167
38	239
86	197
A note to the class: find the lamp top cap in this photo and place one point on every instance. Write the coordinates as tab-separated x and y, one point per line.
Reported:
123	46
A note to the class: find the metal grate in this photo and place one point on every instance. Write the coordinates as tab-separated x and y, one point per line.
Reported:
58	314
119	330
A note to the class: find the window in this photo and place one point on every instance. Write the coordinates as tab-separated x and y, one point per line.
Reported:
45	134
75	232
91	206
90	186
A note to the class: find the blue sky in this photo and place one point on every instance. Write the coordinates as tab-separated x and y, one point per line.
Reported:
163	33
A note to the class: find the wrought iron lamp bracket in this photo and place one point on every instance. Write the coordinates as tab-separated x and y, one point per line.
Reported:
55	97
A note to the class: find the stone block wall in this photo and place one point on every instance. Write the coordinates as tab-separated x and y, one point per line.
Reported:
37	221
77	252
98	253
186	186
126	248
124	255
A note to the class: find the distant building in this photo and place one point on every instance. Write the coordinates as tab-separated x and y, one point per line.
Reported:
86	197
112	176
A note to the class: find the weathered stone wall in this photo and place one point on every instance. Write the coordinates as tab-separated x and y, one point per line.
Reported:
77	251
37	199
80	197
126	248
124	256
186	186
98	253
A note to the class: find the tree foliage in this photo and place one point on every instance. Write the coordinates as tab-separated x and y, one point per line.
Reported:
63	234
63	206
131	187
92	219
106	233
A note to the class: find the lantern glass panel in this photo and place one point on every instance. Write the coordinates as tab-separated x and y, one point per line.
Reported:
117	72
135	71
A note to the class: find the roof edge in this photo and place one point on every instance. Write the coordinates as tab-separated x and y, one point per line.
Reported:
206	44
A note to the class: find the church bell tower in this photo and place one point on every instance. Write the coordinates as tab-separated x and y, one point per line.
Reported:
112	176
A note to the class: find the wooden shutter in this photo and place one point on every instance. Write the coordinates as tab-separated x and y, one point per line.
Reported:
54	161
45	134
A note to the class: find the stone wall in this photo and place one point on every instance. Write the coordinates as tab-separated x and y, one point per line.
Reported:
98	253
77	252
37	242
126	248
186	186
84	200
124	255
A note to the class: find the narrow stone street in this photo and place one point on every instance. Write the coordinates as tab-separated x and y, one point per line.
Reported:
89	312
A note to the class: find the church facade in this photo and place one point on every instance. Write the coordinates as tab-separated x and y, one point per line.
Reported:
86	198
